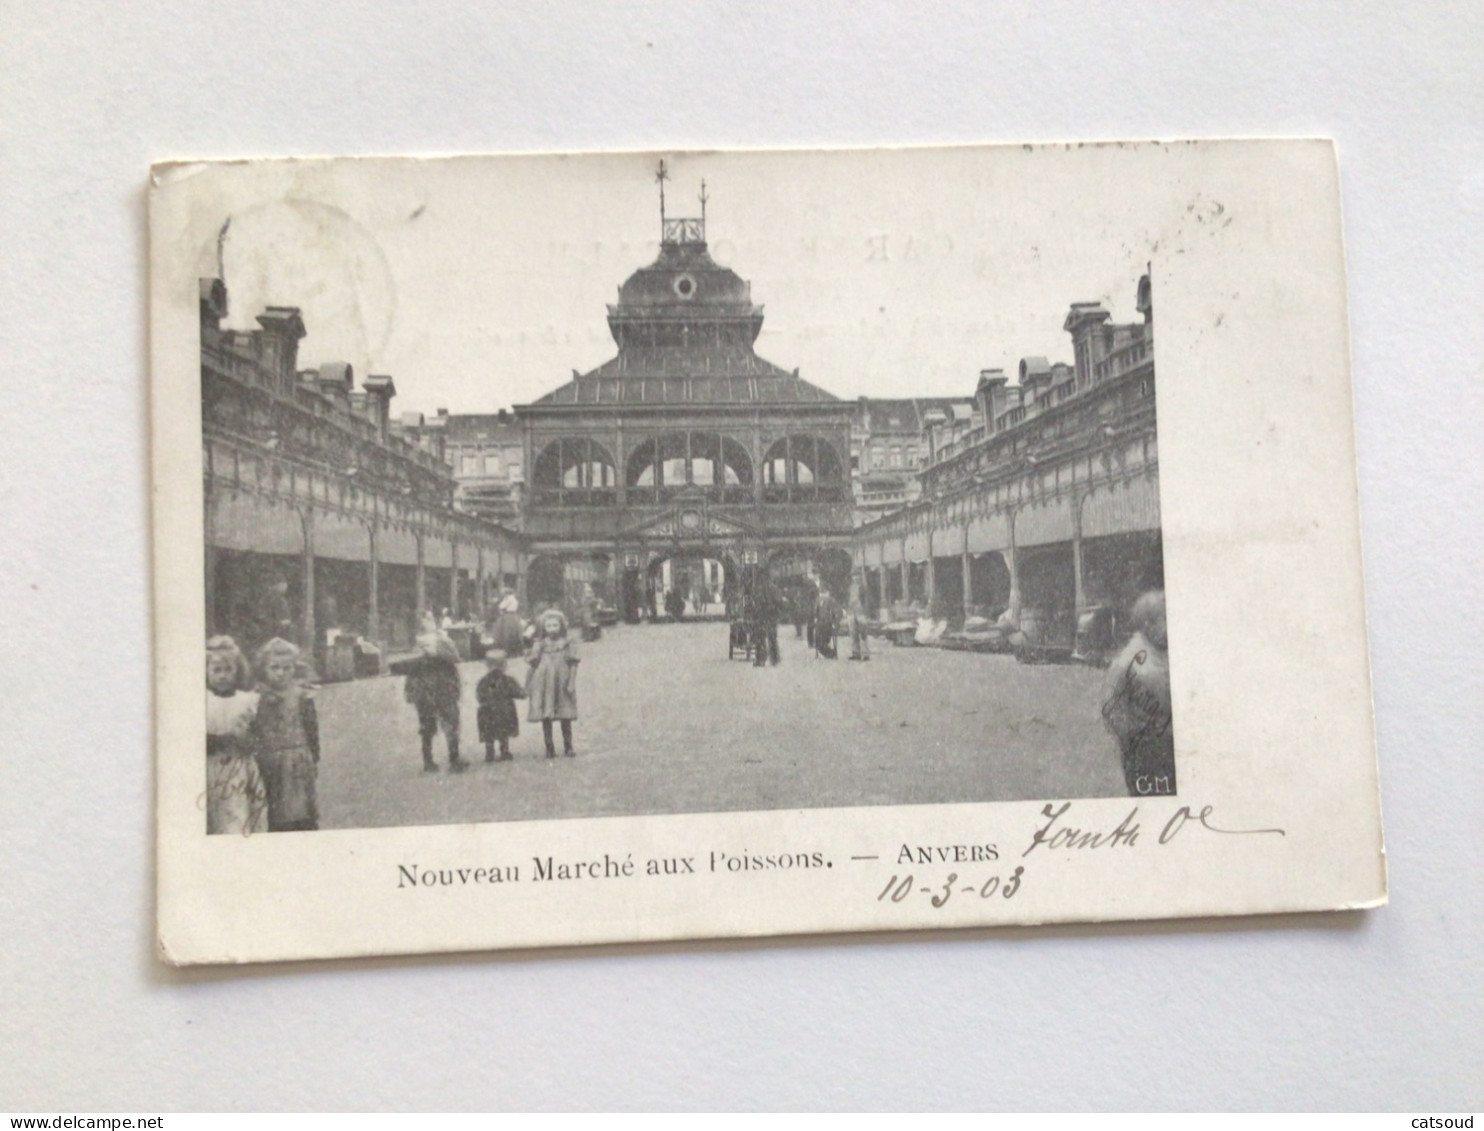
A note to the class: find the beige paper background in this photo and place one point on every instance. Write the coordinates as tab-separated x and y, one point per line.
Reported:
1262	564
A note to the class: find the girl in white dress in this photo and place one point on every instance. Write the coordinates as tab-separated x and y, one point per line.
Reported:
236	801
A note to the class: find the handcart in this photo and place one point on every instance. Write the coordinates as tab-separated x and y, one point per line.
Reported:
739	640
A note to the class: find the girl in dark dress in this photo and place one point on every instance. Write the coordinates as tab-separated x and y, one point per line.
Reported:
285	735
496	694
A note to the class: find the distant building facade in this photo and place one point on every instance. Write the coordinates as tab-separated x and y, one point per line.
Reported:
889	447
487	454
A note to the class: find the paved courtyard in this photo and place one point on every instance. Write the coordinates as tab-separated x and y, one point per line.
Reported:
669	725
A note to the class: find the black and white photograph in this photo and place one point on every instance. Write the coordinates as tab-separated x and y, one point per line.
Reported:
675	483
642	545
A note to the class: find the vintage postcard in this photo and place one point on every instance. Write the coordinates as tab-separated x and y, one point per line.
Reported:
637	546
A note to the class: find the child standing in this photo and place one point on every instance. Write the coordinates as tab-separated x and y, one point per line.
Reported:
552	682
433	687
1136	701
496	694
236	801
286	739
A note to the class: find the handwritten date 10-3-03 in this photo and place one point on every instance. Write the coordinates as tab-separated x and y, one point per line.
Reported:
1053	835
899	888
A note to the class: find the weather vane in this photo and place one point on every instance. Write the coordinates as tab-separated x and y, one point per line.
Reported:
662	176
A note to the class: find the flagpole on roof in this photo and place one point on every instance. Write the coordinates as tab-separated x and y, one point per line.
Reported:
662	176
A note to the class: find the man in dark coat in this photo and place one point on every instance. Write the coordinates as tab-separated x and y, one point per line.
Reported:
765	608
801	608
826	623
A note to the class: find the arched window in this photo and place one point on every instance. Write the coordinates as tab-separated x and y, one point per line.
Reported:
803	468
575	471
689	461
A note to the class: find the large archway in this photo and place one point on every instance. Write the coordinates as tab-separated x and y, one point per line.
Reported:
687	585
834	566
989	584
566	581
825	568
545	582
1118	568
1047	591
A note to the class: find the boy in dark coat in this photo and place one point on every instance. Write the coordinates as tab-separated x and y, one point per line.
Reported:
496	694
433	687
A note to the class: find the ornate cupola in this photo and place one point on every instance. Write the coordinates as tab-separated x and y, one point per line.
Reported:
685	328
685	298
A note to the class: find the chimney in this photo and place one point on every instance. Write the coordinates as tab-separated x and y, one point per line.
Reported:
380	390
1083	321
213	304
335	381
991	396
279	340
932	423
1035	378
1144	302
1014	397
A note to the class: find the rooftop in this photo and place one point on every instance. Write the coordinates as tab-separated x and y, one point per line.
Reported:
685	328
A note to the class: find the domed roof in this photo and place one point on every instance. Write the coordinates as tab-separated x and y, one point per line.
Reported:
685	277
685	328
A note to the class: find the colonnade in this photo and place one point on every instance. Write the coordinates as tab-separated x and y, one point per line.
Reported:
312	529
1092	543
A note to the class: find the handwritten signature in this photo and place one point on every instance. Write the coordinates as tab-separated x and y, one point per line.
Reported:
1149	715
237	787
1054	834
